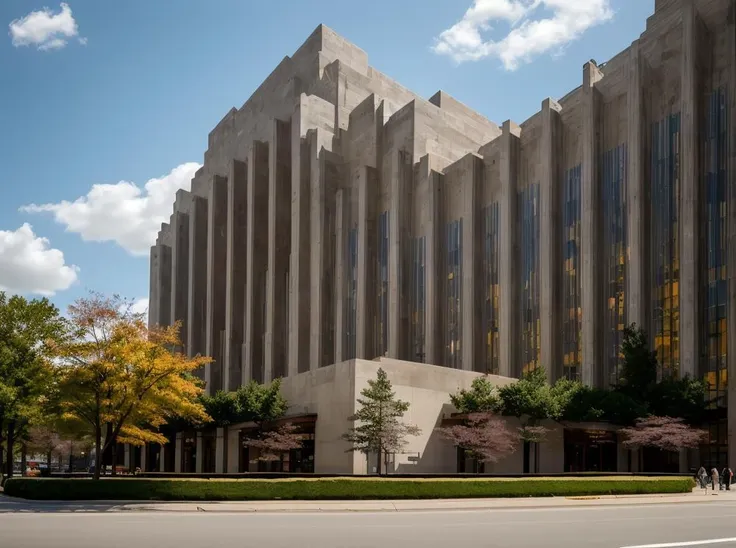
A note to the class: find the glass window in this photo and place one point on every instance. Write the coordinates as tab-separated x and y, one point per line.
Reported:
528	204
614	256
383	250
715	163
351	305
491	287
453	333
571	287
418	299
665	242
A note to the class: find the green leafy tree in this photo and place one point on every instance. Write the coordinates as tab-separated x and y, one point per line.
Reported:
27	329
378	427
481	398
638	371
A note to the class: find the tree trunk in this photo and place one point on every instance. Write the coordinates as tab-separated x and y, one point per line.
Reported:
23	459
71	456
10	441
378	465
48	460
114	453
98	451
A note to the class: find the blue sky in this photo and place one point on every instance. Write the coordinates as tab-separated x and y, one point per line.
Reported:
96	92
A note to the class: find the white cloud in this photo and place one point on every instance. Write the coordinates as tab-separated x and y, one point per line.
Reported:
531	34
45	29
123	212
29	265
140	306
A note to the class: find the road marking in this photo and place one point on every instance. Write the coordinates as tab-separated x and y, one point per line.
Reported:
691	543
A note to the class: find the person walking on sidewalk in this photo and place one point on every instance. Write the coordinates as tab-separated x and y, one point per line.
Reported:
714	477
702	477
726	477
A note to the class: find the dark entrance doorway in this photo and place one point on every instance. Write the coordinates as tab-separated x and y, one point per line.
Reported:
189	453
590	451
297	461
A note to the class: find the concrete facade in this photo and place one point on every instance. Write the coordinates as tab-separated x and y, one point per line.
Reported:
339	217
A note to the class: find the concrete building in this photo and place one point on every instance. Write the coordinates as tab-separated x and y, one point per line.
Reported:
340	218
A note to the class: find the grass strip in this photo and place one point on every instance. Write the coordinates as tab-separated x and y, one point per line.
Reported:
335	489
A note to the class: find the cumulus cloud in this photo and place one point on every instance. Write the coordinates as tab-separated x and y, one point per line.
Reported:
535	27
123	212
45	29
28	265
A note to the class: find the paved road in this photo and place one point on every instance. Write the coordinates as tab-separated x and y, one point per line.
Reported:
661	525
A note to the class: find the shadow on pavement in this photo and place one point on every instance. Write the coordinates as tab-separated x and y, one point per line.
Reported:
12	505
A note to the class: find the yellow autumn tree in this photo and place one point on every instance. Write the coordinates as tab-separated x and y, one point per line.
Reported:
123	379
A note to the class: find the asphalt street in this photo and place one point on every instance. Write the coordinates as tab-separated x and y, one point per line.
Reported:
653	526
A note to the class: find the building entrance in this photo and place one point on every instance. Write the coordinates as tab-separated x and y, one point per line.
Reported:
590	451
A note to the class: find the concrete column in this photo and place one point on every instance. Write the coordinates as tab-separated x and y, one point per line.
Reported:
299	262
237	230
159	307
199	460
637	230
233	450
434	269
509	251
590	237
257	262
178	452
197	276
368	189
550	264
689	191
161	459
342	214
472	279
323	179
731	37
180	263
220	451
216	272
144	458
279	230
399	214
127	460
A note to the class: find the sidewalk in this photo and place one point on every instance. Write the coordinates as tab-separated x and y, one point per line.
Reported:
500	504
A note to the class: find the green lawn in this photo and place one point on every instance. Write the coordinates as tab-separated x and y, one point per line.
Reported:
336	488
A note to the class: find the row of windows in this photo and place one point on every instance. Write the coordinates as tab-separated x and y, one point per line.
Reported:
382	277
351	315
453	335
491	286
528	202
571	288
613	178
664	242
715	159
418	298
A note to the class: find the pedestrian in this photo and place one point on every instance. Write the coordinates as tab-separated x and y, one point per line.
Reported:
727	477
714	477
702	476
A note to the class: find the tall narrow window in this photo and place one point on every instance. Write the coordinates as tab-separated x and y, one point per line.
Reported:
352	294
453	356
382	276
529	218
491	287
715	159
614	255
418	298
572	350
665	243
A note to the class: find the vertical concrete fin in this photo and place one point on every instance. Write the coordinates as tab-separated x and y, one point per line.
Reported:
590	227
549	248
689	199
368	191
509	249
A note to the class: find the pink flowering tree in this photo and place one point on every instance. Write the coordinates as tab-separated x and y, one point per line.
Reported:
664	433
272	444
486	437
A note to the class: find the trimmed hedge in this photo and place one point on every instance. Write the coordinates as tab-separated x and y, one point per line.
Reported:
335	489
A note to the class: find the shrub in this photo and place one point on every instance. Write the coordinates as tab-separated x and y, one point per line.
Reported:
336	489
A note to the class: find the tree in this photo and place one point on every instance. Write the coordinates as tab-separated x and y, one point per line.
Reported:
273	443
379	429
27	328
122	378
486	437
532	400
44	440
481	398
664	433
638	372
